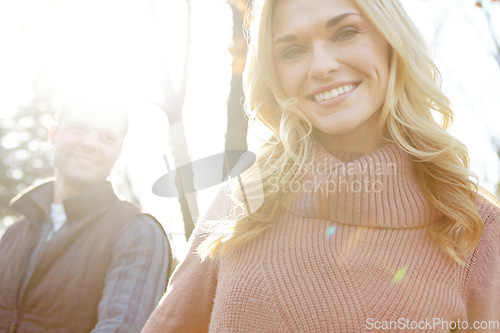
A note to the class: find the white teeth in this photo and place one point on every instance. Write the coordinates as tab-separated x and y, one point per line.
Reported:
333	93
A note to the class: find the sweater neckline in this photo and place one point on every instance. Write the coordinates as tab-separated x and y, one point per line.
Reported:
378	189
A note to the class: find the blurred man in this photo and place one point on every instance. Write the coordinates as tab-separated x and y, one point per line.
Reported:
79	259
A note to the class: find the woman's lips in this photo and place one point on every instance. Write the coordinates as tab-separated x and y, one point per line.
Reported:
331	93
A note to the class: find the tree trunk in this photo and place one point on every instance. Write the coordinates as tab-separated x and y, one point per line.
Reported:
236	132
172	107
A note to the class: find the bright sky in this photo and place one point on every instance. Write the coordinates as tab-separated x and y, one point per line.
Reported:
111	45
471	77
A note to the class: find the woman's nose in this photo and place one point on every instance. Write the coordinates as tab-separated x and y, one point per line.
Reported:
324	62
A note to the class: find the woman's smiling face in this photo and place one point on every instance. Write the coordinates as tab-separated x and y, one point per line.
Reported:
334	61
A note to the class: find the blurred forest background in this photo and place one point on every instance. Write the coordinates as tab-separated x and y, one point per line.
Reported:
178	66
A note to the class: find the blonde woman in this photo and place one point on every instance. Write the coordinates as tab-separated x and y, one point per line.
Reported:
370	219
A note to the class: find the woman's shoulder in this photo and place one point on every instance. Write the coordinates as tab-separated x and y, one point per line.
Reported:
487	254
483	269
488	208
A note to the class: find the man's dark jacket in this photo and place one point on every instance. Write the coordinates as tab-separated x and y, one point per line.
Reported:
66	286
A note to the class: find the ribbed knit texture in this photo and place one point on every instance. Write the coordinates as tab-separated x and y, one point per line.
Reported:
374	190
338	260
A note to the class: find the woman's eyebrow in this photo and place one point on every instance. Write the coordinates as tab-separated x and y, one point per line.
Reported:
329	24
284	39
336	19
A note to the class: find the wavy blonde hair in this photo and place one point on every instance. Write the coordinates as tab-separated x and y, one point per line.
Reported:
413	95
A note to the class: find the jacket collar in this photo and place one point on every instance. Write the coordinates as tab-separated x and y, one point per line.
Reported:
34	203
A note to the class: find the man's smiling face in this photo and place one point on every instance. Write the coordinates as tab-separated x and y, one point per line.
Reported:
87	144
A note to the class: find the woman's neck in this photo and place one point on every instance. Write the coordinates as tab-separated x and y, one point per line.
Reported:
355	143
365	139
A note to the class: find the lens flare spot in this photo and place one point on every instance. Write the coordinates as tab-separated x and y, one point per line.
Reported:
400	275
330	231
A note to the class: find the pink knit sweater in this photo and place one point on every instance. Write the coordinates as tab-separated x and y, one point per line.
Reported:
350	252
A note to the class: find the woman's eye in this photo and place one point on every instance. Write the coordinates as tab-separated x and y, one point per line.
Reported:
346	33
292	53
